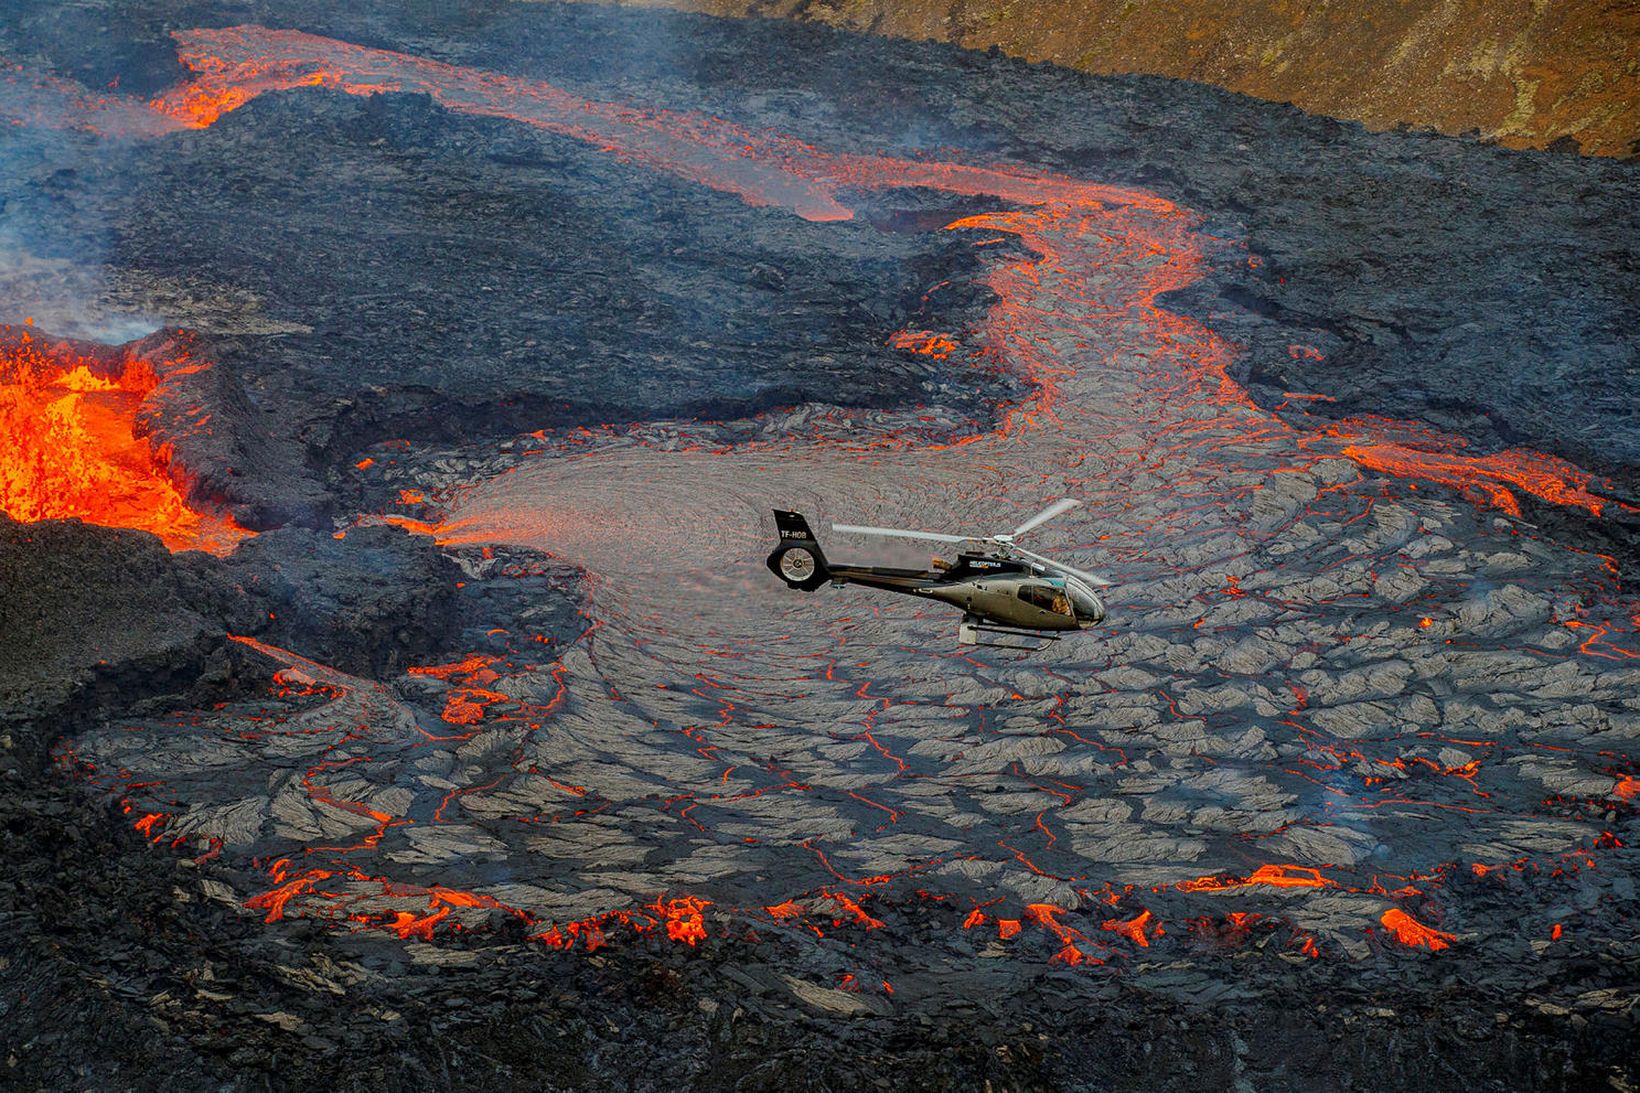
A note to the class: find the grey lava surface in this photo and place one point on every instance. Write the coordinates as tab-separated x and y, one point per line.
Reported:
553	786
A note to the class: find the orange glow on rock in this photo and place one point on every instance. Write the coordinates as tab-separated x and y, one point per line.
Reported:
456	898
684	919
474	669
925	343
467	705
408	925
1273	876
33	99
71	447
1412	451
1069	955
232	65
1409	931
274	902
1139	929
459	711
1047	915
858	913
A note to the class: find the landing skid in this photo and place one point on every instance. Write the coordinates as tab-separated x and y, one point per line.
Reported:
969	631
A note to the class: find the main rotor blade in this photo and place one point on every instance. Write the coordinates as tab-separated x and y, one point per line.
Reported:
1063	505
902	533
1068	570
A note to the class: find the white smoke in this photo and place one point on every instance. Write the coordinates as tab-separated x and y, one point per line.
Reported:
53	253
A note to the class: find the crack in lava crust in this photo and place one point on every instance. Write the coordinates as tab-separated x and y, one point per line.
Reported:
1328	694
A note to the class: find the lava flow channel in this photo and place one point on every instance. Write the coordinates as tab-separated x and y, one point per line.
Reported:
71	446
1298	715
233	65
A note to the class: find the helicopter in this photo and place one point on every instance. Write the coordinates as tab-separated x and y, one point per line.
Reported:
1001	587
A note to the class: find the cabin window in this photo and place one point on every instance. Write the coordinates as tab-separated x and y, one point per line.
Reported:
1046	597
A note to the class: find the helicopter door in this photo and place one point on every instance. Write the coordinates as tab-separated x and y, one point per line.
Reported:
1046	597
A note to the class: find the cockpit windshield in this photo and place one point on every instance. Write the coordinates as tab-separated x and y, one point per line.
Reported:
1088	608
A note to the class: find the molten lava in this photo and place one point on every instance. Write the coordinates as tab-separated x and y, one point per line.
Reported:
70	447
1409	931
1139	929
1043	302
1275	876
924	343
233	65
1410	451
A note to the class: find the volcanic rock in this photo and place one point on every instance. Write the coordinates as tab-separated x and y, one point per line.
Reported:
92	616
554	784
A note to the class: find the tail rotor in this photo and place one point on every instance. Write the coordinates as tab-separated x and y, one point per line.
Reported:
797	559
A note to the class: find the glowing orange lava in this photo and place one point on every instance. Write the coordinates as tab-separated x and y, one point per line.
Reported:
1492	478
684	918
1409	931
1139	929
1047	916
1063	214
408	925
273	902
70	447
925	343
233	65
684	921
1274	876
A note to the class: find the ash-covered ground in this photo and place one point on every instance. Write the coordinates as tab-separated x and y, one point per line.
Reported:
559	788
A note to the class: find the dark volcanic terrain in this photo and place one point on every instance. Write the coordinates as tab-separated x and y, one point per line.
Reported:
479	749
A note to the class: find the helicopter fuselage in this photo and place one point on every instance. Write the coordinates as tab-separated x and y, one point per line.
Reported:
995	590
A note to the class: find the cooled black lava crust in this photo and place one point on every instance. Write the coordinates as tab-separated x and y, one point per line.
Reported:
432	277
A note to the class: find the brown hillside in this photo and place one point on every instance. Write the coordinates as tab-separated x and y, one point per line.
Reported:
1524	73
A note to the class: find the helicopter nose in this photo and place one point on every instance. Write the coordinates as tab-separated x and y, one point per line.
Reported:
1089	609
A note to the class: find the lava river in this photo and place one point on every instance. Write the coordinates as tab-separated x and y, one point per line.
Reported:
1329	699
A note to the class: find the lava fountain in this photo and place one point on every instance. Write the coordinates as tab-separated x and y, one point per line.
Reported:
72	445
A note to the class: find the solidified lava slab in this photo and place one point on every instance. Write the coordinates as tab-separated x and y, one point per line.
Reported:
1350	732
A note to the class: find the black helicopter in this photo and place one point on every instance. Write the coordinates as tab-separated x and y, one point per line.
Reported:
1001	587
